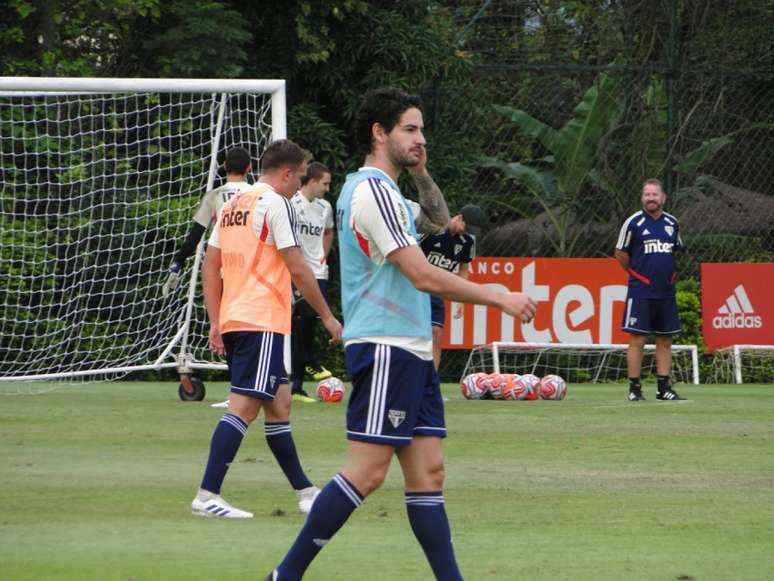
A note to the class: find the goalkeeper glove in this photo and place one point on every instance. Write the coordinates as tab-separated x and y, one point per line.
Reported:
172	279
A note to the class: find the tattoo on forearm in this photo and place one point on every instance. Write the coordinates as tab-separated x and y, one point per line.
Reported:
435	212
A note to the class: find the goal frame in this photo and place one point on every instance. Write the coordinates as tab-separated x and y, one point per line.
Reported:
497	345
183	360
736	351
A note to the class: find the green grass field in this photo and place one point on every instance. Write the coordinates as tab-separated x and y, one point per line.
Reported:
97	481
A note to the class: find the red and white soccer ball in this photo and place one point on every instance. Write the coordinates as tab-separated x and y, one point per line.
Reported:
495	383
532	384
553	387
475	385
330	390
514	387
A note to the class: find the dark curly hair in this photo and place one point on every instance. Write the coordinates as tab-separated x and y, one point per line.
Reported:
383	106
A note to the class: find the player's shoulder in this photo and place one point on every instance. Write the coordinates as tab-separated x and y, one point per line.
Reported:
271	199
231	187
377	192
633	218
376	184
670	218
322	203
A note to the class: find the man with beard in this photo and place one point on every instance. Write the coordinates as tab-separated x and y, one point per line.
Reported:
645	249
396	407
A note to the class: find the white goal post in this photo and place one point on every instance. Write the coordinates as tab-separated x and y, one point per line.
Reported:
575	362
738	362
99	180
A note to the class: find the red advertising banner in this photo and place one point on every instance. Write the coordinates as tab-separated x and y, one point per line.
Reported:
580	300
736	304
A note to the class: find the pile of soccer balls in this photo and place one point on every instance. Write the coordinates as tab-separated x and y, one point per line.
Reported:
511	386
330	390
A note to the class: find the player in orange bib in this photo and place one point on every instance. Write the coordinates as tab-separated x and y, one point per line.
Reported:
255	247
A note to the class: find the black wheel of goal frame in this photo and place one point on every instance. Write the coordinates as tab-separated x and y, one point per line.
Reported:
191	388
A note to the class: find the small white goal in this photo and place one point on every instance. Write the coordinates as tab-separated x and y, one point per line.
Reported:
744	364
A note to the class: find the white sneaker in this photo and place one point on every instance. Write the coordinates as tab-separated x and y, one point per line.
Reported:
222	404
212	505
306	498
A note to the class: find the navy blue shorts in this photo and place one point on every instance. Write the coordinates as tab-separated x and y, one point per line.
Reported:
303	309
395	396
651	316
255	362
437	311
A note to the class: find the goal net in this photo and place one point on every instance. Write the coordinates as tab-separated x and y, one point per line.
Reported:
100	179
576	363
744	364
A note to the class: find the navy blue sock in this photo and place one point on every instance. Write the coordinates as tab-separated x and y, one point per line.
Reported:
281	444
226	439
330	511
427	515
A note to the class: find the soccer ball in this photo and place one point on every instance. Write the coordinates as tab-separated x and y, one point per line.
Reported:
515	388
330	390
495	383
553	387
475	386
533	386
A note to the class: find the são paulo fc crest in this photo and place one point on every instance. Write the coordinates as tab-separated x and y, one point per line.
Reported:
396	417
669	230
457	249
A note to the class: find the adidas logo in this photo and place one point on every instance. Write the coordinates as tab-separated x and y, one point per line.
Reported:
437	245
645	232
737	312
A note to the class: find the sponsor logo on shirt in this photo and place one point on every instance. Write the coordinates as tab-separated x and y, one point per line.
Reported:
441	261
309	229
657	247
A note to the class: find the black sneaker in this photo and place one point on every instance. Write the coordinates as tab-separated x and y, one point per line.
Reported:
636	395
668	395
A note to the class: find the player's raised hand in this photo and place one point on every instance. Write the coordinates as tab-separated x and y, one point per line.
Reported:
334	328
519	305
216	341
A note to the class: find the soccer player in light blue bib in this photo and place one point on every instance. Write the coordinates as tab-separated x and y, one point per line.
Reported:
396	406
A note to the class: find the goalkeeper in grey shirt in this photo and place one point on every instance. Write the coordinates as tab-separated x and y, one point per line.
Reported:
237	167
